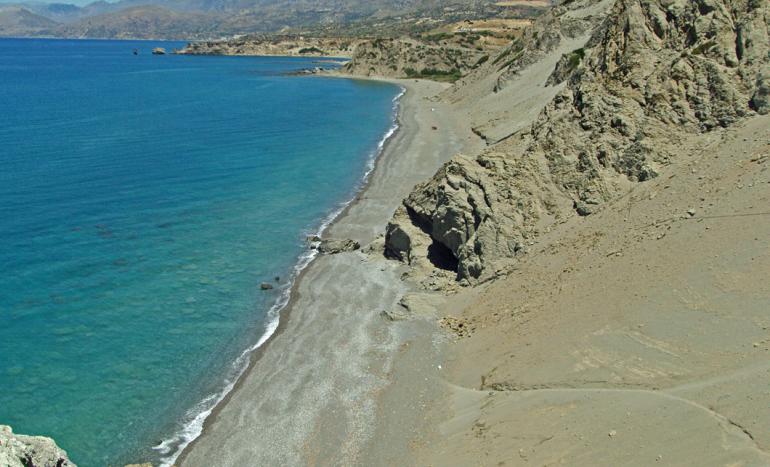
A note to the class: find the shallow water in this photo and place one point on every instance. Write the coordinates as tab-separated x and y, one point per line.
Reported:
143	199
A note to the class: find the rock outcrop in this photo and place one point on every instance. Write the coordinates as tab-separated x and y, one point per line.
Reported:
653	74
411	58
26	451
334	246
290	45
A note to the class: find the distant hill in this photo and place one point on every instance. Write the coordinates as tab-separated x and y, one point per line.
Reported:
142	22
203	19
19	21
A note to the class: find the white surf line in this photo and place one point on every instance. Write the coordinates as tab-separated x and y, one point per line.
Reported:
171	448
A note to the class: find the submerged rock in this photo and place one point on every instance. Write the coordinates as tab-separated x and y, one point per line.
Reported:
266	286
24	451
334	246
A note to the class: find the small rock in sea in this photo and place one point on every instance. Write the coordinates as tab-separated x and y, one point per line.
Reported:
265	286
277	278
159	51
313	239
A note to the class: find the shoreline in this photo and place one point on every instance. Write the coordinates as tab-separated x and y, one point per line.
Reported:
410	97
280	311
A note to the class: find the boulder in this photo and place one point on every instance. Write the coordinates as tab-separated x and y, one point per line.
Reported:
334	246
761	99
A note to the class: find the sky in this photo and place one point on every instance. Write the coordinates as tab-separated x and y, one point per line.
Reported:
73	2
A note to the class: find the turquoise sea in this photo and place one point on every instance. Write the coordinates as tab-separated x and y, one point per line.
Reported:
143	199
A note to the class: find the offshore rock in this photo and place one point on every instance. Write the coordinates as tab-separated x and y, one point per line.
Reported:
25	451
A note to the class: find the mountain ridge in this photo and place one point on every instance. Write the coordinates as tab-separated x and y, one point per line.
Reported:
211	19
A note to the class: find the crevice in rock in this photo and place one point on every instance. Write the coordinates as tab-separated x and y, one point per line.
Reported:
419	221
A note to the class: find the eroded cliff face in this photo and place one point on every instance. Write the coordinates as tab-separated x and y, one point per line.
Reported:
26	451
653	74
258	45
407	58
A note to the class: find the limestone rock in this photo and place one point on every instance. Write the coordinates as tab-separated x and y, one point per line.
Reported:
653	73
334	246
409	57
760	101
275	44
396	314
25	451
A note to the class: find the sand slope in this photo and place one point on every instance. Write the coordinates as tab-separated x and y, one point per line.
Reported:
637	336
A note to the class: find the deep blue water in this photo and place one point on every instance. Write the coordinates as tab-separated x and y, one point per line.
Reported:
143	199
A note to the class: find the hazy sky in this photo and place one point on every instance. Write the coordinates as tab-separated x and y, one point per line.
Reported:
73	2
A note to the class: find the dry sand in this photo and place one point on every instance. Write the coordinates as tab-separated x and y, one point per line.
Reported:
636	336
313	394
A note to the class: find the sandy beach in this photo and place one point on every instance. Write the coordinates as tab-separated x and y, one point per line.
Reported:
577	235
313	393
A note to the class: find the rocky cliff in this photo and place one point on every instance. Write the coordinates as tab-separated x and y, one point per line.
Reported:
26	451
651	75
275	45
411	58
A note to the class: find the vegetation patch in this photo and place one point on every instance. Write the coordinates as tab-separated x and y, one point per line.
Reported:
311	50
481	61
575	58
433	74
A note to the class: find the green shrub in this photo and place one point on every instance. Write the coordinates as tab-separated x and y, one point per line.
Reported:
311	50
